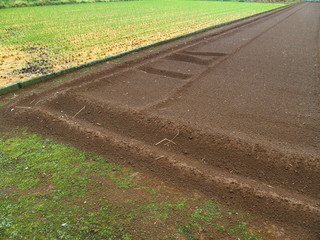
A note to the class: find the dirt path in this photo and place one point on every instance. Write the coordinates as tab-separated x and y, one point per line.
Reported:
234	113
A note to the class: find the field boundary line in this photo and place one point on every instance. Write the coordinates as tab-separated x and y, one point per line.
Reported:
22	84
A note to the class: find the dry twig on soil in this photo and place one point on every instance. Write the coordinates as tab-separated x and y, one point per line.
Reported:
169	140
79	112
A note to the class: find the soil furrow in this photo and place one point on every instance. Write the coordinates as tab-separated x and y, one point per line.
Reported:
244	193
252	160
165	73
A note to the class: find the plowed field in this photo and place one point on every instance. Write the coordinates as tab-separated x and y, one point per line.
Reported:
233	113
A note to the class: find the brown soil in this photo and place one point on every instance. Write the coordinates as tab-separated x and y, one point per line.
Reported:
233	113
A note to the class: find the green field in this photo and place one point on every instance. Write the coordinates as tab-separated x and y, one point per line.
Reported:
39	40
26	3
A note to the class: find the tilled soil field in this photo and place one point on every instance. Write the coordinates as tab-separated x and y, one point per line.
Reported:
232	112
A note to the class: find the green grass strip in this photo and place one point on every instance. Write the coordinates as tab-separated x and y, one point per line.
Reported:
54	191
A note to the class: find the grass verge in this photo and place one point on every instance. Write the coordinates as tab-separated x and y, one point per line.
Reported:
53	191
